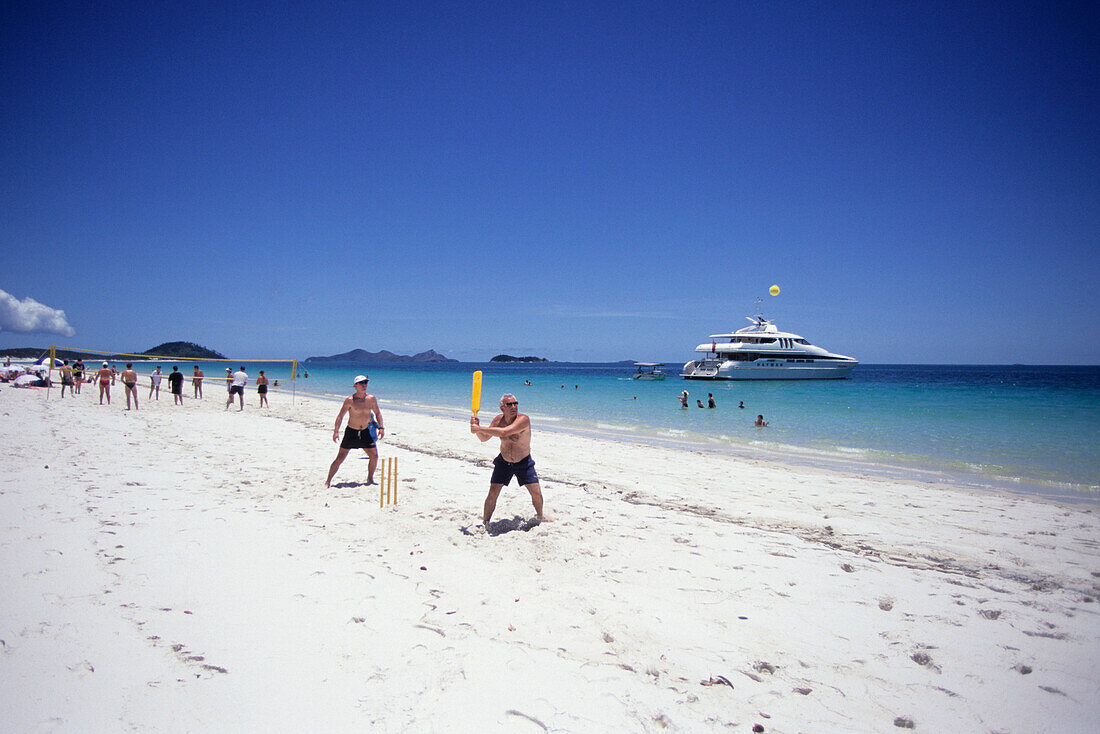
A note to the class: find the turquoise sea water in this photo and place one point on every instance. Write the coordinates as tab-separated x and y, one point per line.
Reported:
1030	429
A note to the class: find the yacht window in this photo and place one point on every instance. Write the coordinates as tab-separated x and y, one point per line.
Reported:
767	341
802	341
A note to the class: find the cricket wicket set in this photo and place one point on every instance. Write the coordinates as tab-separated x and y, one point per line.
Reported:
387	480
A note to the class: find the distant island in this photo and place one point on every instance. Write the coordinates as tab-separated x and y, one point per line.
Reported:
510	358
171	350
361	355
187	350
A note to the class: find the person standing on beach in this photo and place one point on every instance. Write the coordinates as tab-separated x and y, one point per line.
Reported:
66	378
129	381
514	460
78	374
196	382
261	389
358	408
105	374
236	387
175	385
154	382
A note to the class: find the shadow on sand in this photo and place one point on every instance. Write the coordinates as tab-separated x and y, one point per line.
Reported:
352	485
500	527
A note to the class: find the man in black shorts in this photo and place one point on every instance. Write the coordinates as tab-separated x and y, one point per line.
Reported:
358	408
514	460
175	386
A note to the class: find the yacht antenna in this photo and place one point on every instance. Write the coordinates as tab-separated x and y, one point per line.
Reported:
759	310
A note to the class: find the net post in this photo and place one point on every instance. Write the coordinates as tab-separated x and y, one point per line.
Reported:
49	371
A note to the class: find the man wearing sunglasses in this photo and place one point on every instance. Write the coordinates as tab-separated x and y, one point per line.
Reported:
514	431
358	409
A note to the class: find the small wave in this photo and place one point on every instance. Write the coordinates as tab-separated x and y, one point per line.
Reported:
610	427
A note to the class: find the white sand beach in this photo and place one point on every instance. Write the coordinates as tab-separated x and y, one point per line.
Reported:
184	569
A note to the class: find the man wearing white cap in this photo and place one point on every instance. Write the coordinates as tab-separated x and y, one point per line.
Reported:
358	408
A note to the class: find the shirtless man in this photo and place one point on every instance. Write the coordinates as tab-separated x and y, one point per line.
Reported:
514	431
358	408
129	379
67	378
261	389
105	376
196	381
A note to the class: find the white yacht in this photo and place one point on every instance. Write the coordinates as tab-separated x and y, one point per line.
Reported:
763	352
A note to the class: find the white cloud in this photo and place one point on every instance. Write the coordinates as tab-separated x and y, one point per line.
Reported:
30	316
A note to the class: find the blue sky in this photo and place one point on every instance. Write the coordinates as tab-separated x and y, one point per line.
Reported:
580	181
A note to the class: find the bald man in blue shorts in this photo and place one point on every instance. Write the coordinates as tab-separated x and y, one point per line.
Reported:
514	460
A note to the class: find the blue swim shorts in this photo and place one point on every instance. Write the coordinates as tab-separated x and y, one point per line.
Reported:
523	470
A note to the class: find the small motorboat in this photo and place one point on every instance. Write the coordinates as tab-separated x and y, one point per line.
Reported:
649	371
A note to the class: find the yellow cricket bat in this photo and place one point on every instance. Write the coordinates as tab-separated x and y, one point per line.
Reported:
475	396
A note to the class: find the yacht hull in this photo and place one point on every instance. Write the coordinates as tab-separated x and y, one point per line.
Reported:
733	370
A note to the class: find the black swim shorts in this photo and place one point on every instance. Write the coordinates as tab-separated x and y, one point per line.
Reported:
523	470
357	438
236	389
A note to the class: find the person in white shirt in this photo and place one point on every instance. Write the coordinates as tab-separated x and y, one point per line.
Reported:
240	379
154	383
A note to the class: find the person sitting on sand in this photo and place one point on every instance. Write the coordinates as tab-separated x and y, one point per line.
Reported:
358	408
129	380
514	460
105	374
760	421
